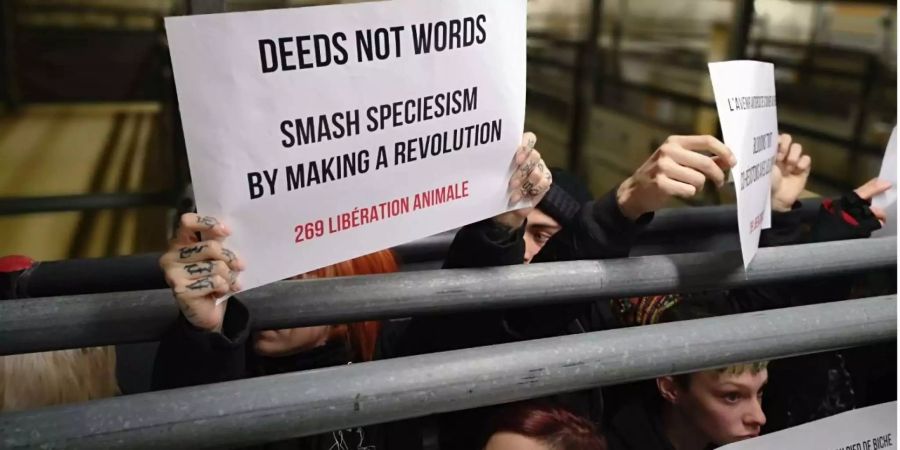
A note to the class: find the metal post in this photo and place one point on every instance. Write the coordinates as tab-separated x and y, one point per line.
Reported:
589	62
7	45
239	413
741	26
206	6
53	323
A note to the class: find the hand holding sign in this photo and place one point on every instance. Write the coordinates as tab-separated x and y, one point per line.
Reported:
871	189
789	174
678	168
324	133
530	181
200	272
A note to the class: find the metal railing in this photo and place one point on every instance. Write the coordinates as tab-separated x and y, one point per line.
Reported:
82	202
29	325
278	407
677	230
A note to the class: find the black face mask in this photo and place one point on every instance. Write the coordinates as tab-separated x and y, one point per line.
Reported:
561	247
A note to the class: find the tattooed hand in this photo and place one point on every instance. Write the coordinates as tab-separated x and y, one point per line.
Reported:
530	181
201	270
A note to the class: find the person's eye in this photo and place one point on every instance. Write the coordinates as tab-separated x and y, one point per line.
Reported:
731	397
543	238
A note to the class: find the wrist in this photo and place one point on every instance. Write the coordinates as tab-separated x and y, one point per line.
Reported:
627	201
510	221
781	205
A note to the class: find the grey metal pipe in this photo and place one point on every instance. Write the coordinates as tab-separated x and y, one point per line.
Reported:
676	230
279	407
82	202
29	325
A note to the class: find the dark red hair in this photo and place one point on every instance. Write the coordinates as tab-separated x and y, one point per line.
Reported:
361	335
550	424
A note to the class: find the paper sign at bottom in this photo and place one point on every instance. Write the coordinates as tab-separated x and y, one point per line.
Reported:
872	428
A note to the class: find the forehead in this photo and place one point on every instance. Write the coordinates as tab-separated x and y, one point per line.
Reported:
510	441
538	218
717	379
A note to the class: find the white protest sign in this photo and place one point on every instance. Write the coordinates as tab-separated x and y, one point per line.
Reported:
745	99
320	134
872	428
888	200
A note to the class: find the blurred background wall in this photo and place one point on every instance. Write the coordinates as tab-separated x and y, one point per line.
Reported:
88	115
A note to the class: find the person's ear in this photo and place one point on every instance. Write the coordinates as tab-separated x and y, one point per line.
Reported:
668	389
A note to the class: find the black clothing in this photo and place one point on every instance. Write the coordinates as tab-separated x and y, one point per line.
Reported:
598	230
638	426
188	356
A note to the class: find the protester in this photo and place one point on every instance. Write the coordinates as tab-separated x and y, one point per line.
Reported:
540	426
694	411
566	224
213	343
35	380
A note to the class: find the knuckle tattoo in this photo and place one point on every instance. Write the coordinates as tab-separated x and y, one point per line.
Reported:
229	255
208	222
187	252
199	268
205	283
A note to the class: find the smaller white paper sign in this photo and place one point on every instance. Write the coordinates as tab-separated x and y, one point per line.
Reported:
745	99
872	428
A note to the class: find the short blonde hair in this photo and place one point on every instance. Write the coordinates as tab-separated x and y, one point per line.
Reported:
684	379
33	380
737	369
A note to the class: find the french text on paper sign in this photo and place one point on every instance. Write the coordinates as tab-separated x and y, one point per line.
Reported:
879	443
382	211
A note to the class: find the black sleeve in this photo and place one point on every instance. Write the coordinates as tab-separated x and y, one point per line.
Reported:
848	217
486	244
599	231
606	233
189	356
787	228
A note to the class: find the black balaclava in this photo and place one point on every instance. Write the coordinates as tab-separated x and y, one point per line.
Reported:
563	202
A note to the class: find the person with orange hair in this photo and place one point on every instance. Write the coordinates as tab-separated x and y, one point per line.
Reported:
215	342
540	425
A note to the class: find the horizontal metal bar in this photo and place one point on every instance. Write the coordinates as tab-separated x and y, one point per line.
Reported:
85	202
279	407
30	325
138	272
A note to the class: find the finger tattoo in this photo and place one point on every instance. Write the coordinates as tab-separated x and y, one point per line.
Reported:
187	252
527	168
527	187
205	283
535	191
229	254
209	222
199	268
530	142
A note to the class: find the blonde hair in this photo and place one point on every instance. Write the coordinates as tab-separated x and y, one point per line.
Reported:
737	369
33	380
684	379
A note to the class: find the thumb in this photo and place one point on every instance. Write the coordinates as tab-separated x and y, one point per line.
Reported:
872	188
